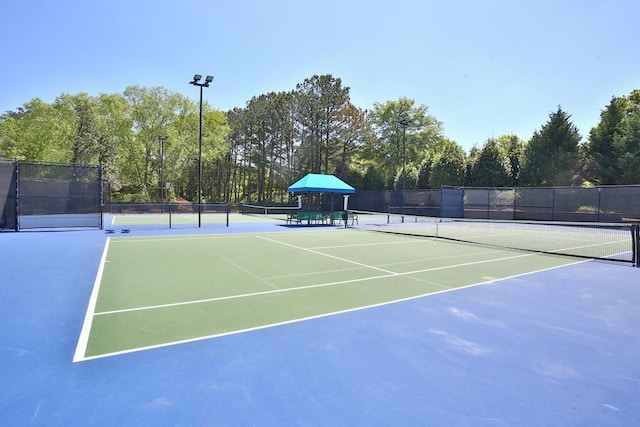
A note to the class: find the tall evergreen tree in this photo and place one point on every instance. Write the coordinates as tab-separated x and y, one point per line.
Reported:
627	143
601	159
448	166
551	157
490	168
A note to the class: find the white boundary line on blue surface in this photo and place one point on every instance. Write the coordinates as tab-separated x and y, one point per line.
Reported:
83	340
86	328
333	313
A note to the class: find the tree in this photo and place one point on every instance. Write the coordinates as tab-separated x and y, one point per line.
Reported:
512	148
489	168
424	174
393	145
111	113
39	132
551	157
611	150
262	144
373	179
88	136
627	142
601	159
354	129
156	111
448	167
321	103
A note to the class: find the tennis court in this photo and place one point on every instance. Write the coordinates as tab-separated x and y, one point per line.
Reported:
268	323
160	290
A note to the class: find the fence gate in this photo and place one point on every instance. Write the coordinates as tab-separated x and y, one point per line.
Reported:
452	204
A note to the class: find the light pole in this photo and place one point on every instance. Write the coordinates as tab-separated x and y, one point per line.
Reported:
162	138
404	123
196	82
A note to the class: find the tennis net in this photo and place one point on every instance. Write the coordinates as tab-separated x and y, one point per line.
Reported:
616	242
273	212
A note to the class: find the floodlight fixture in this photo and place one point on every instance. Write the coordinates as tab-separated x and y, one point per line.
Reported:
404	123
196	82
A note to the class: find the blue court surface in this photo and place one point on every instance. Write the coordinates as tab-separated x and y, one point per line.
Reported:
558	347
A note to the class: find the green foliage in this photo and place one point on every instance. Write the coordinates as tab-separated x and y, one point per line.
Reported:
40	132
448	167
321	103
627	143
490	168
373	179
611	154
254	153
410	182
551	157
394	142
424	174
512	148
601	159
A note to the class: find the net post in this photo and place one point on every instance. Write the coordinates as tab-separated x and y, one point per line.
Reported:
17	198
635	238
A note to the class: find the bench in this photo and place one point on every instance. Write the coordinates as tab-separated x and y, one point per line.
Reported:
310	217
291	217
352	217
338	216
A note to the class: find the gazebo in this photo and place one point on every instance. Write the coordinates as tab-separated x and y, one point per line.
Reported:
319	183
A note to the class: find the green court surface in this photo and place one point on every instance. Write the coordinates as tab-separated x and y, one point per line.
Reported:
157	291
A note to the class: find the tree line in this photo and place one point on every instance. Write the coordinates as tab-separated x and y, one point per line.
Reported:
146	139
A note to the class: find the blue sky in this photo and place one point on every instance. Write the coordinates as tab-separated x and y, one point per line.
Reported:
484	68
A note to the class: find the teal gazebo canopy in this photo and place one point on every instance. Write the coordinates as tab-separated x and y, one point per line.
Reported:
319	183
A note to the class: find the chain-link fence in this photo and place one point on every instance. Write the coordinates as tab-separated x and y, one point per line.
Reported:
573	204
46	195
8	207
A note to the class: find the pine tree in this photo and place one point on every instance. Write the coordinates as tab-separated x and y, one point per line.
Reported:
600	156
551	157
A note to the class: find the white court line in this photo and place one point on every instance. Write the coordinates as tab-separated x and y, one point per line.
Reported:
244	270
318	316
300	248
358	245
298	288
83	340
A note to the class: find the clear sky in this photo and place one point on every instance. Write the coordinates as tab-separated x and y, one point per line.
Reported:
484	68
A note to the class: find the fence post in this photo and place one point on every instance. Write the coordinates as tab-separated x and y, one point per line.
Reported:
599	196
100	175
17	188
